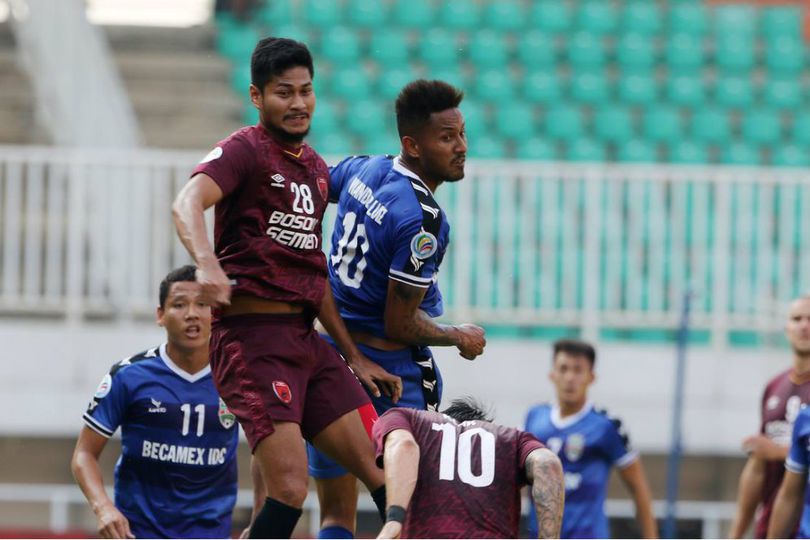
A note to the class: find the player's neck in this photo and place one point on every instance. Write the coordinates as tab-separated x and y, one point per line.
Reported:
414	167
282	138
571	408
189	360
801	366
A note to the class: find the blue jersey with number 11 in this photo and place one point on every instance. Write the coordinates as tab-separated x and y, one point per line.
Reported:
388	226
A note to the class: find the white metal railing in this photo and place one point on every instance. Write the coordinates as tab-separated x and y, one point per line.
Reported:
593	246
60	498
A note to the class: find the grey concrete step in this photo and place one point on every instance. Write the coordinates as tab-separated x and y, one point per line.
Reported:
188	67
163	40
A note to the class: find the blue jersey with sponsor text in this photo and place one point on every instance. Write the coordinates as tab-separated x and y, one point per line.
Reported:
588	444
176	476
388	226
798	461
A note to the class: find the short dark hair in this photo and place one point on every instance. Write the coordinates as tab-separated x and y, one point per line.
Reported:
273	56
184	273
421	98
467	408
575	347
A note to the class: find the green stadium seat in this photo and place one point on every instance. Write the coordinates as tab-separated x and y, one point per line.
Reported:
414	14
613	123
637	88
642	16
250	115
388	47
536	148
688	153
452	75
476	122
273	14
384	142
783	93
735	20
333	144
369	15
586	150
322	14
351	83
635	52
586	51
542	87
686	90
637	151
596	17
551	16
663	123
734	52
800	128
785	56
327	117
438	48
564	122
487	147
514	120
237	42
536	49
790	155
782	21
734	92
504	15
340	46
463	15
688	18
685	53
493	85
710	125
240	78
740	153
391	81
762	126
291	31
488	50
590	87
365	117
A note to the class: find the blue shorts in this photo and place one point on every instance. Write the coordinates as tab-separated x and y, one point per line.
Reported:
402	363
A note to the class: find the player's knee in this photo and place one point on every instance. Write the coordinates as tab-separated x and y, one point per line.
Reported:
291	494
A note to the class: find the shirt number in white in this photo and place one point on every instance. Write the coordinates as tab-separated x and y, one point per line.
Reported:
200	410
303	198
447	459
354	238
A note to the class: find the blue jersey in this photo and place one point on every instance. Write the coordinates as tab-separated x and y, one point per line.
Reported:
388	226
588	443
176	477
798	461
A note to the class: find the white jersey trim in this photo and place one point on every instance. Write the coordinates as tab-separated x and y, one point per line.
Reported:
409	280
183	374
401	169
561	423
626	460
97	426
794	467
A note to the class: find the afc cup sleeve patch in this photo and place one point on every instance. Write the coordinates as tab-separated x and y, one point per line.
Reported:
216	153
424	245
103	387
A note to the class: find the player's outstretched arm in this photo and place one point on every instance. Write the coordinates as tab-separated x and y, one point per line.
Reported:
749	493
199	194
84	465
636	482
401	464
406	323
787	508
545	474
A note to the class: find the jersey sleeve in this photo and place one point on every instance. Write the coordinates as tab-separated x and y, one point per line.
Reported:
106	409
416	252
392	419
229	163
617	444
527	443
797	460
340	174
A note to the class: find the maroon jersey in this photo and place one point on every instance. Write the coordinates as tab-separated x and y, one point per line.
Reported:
470	475
267	227
781	402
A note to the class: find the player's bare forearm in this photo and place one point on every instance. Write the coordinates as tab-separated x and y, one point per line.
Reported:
189	221
749	494
544	471
401	466
636	482
85	468
787	508
330	318
406	323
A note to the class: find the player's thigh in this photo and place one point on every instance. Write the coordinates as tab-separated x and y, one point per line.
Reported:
345	440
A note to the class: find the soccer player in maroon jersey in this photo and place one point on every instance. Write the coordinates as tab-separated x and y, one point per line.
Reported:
784	396
457	475
267	275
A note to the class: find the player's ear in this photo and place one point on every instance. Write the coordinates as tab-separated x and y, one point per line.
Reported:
159	316
255	96
410	147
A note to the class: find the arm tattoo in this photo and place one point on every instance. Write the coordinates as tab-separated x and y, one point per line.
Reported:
545	471
420	328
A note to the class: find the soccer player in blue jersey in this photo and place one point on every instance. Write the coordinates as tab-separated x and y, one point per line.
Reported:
589	443
792	504
389	239
176	477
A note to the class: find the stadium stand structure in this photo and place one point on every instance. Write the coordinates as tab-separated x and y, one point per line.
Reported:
581	80
17	119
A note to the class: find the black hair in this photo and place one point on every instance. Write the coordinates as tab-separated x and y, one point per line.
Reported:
419	99
575	347
467	408
184	273
273	56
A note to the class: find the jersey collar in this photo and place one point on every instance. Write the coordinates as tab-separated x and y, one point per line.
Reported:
183	374
404	171
562	423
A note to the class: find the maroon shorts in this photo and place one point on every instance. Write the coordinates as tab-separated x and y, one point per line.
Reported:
277	368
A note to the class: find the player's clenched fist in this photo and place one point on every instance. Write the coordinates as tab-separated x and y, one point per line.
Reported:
112	523
470	340
216	287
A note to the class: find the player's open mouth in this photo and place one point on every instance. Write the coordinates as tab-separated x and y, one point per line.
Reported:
192	331
297	117
459	161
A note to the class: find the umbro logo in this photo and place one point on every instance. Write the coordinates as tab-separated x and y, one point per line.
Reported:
277	180
156	406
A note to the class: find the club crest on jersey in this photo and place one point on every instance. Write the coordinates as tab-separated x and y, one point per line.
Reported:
216	153
574	446
103	387
282	391
423	245
323	187
226	417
